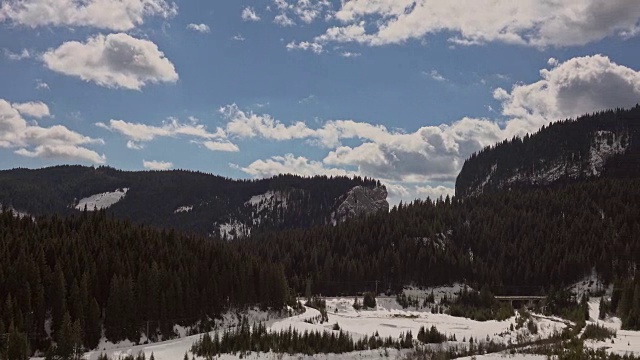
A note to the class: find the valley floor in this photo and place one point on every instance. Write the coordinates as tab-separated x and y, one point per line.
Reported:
388	319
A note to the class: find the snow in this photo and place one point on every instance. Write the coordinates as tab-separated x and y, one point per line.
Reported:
233	230
268	200
590	285
601	150
102	201
388	319
186	208
502	356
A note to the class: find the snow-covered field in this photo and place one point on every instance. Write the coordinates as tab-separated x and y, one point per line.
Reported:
102	201
625	342
388	319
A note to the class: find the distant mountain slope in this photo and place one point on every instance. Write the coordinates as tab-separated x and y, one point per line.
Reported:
186	200
603	144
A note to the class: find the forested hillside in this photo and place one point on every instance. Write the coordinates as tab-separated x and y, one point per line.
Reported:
63	279
185	200
519	241
602	144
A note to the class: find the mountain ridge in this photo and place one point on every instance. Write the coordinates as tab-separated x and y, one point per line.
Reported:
186	200
603	144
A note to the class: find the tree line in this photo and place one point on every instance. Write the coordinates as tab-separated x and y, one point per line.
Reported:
84	274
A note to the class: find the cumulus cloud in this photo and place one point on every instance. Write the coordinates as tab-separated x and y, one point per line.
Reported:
305	45
291	164
436	153
577	86
305	10
117	15
157	165
283	20
534	23
201	28
139	133
249	14
55	142
113	61
249	125
35	109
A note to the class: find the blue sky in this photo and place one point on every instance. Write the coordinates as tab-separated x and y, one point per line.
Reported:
399	90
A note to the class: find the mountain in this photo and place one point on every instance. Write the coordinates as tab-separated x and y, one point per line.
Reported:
604	144
192	201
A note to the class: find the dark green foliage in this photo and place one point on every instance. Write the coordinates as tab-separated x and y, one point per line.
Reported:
84	267
369	300
480	306
154	196
505	232
17	345
431	336
598	332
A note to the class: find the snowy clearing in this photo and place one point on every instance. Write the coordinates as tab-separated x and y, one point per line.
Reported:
388	319
101	201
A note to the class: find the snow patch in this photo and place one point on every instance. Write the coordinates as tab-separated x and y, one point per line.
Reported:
268	200
234	230
184	209
605	145
102	201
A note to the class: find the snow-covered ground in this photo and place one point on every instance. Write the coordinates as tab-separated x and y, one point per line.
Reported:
388	319
102	201
181	209
625	342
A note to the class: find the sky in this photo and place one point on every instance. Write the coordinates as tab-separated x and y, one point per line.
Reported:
399	90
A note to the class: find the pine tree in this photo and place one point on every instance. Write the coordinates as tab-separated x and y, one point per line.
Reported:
93	326
602	309
17	345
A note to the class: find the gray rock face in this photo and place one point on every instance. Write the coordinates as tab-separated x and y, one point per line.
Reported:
361	200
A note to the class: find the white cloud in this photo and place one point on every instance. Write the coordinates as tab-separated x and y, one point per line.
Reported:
41	85
283	20
139	133
201	28
249	14
436	153
118	15
349	54
525	22
55	142
35	109
309	99
578	86
305	45
433	192
238	37
157	165
306	11
114	61
290	164
435	75
248	125
24	54
226	146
